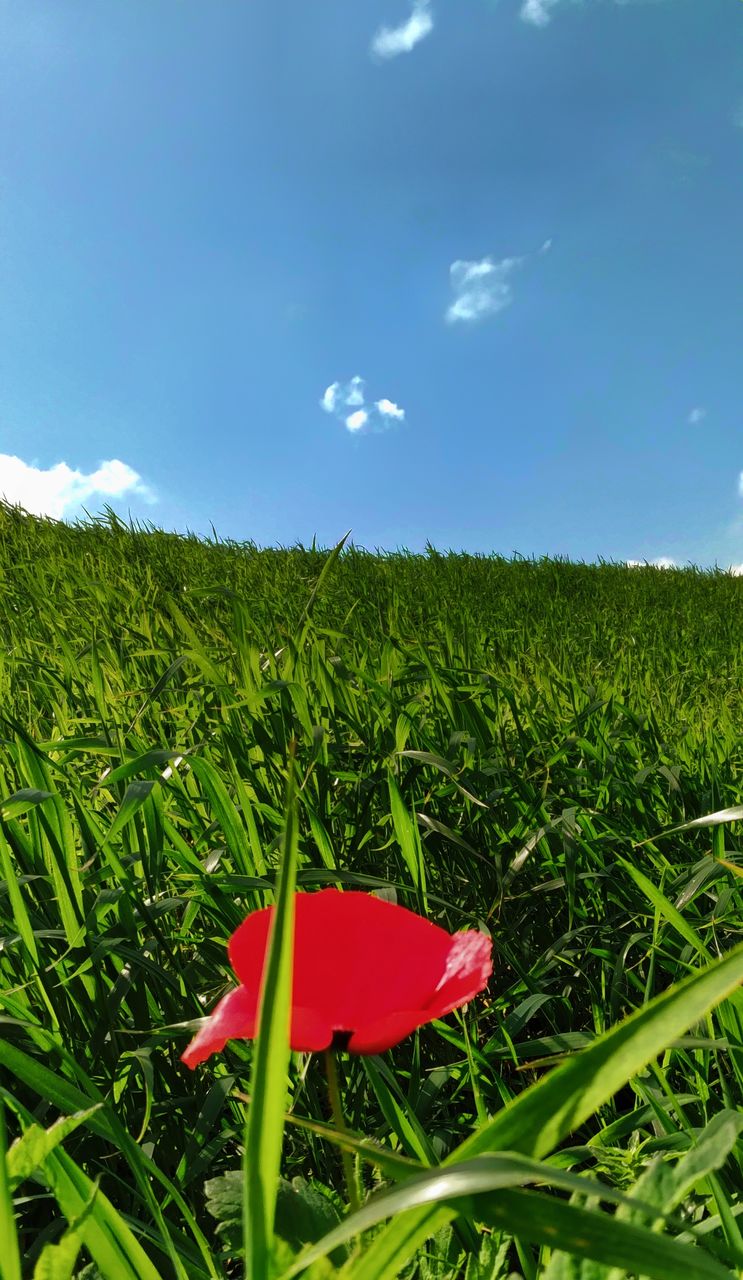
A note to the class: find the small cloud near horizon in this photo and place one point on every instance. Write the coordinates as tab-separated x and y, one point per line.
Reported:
390	42
339	397
60	490
662	562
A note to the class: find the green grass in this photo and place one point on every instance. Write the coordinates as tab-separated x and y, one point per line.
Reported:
501	744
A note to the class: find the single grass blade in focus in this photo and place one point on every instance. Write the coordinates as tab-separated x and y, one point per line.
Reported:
269	1079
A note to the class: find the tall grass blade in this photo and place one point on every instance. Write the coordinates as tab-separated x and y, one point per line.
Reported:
269	1077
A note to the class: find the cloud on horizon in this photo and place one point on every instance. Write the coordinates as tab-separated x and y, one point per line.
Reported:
390	42
60	490
339	397
662	562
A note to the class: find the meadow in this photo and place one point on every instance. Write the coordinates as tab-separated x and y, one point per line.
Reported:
549	752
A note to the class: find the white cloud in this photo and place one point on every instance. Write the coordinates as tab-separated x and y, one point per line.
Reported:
342	396
355	391
483	287
697	415
355	421
60	490
330	397
389	409
389	42
537	12
662	562
736	570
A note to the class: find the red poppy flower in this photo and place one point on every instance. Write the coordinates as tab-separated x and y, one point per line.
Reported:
366	974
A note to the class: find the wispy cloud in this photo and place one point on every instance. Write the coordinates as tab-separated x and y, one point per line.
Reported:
740	484
339	397
59	490
482	287
697	415
390	42
537	12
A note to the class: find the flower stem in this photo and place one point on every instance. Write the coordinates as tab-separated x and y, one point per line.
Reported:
331	1070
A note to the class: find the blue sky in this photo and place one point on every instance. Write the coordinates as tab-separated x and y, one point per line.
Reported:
503	238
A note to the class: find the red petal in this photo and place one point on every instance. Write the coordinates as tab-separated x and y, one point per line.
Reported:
376	1037
466	972
468	969
357	958
234	1018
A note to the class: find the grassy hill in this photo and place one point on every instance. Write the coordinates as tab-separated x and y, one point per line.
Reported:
499	744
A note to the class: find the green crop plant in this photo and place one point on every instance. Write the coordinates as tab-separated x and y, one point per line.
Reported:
538	749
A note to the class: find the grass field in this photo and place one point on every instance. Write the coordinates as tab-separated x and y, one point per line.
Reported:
498	744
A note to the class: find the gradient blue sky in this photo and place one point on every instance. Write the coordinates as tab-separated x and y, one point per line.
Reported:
212	212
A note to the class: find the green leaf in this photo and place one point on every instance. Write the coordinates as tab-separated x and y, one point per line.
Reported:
57	1261
11	1258
636	1251
269	1079
303	1213
324	573
20	914
537	1121
666	909
407	835
106	1236
134	797
21	801
733	814
32	1148
391	1163
471	1179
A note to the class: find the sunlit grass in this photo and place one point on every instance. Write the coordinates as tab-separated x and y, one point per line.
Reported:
500	745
